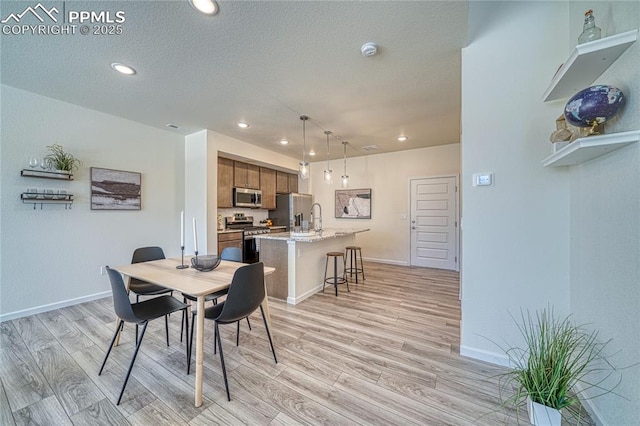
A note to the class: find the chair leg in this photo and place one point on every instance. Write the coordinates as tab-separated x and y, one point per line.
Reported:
136	332
224	370
113	339
184	317
266	326
135	353
187	348
238	334
249	323
166	327
335	274
193	317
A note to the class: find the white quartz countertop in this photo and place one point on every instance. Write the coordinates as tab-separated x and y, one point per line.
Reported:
325	234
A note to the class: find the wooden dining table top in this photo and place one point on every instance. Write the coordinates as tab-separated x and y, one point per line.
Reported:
189	280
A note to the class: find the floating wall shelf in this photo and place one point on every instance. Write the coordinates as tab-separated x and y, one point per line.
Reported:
35	198
586	63
46	174
585	149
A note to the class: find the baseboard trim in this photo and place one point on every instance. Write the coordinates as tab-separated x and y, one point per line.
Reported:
305	295
53	306
486	356
387	261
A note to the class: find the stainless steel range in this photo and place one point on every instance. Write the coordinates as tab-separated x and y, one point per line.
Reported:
250	251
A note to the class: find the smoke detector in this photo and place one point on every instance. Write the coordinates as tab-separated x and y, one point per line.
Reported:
369	49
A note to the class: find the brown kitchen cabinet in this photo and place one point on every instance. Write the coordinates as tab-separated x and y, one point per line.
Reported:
293	182
229	239
282	182
225	182
268	188
246	175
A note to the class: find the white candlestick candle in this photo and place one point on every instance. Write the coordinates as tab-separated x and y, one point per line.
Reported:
195	236
182	228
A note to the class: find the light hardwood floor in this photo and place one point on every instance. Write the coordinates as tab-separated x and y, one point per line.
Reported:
385	353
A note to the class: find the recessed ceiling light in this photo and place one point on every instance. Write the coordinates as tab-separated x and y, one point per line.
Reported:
242	125
208	7
284	141
312	153
402	138
124	69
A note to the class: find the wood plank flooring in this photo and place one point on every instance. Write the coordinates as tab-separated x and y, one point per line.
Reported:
386	353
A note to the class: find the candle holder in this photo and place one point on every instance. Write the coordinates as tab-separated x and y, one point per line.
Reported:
182	265
196	262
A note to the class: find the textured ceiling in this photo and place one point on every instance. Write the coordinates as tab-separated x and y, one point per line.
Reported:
264	62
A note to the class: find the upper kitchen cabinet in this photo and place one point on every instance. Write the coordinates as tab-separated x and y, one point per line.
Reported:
282	182
246	175
225	182
293	182
268	188
286	182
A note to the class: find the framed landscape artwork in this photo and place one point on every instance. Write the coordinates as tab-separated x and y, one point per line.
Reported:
115	189
353	203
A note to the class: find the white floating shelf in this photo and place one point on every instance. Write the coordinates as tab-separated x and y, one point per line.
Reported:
586	63
585	149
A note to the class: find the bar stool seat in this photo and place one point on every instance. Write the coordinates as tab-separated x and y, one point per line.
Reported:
351	258
335	279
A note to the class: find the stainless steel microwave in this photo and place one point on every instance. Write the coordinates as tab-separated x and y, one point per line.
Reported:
243	197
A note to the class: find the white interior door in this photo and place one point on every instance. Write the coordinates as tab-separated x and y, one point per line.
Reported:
434	222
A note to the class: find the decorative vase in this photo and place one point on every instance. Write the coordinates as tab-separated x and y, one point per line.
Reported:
594	105
541	415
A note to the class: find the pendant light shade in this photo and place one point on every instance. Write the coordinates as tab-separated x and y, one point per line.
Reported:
304	165
327	172
345	177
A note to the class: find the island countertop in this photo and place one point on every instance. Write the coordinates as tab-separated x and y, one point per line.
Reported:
312	237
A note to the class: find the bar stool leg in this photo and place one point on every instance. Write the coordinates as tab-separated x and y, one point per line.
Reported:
335	274
324	282
361	265
344	273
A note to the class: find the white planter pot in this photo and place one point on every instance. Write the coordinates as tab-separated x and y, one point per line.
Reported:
541	415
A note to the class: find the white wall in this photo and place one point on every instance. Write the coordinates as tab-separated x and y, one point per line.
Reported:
53	255
388	177
605	223
515	235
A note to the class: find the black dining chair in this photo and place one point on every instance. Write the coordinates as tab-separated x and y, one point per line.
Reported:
144	288
246	294
232	254
139	313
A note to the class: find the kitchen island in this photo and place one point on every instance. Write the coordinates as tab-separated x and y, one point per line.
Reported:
299	260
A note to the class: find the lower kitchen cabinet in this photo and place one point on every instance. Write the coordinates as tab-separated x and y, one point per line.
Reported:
229	239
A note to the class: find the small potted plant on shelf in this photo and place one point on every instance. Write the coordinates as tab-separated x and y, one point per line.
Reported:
61	161
554	369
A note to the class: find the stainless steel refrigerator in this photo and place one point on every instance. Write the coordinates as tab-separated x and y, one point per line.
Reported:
291	210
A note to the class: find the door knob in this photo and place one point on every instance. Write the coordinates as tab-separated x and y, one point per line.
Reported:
413	227
413	221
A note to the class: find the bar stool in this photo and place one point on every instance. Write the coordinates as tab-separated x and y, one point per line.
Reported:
335	279
351	258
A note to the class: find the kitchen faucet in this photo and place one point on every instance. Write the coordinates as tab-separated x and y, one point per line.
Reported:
319	228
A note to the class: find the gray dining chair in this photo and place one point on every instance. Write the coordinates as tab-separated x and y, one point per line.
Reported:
139	313
245	296
144	288
232	254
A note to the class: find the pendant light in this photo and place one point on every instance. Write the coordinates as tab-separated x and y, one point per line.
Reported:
345	178
304	165
327	173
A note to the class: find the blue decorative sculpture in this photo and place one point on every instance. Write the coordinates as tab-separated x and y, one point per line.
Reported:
594	105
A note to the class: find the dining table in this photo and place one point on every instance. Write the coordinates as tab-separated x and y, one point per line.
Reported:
165	272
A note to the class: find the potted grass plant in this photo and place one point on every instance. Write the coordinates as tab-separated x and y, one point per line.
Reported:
60	160
554	368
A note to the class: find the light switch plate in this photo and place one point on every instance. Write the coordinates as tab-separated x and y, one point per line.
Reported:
483	179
